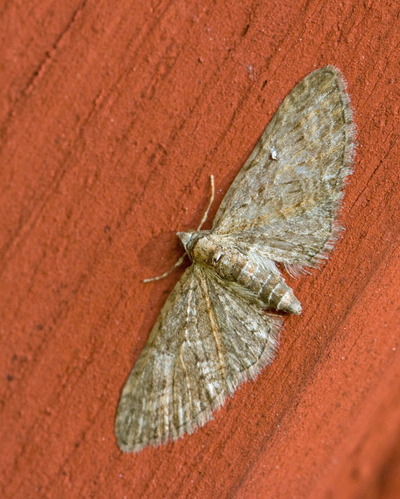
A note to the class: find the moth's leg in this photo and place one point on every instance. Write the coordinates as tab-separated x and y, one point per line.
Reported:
157	278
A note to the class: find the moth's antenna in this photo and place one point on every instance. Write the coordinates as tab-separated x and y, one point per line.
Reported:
209	204
180	261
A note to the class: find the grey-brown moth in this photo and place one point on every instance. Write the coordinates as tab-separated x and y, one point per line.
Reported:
212	333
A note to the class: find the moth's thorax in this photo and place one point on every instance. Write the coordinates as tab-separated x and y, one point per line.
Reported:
207	251
264	282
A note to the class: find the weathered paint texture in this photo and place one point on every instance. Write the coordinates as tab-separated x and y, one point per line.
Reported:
113	116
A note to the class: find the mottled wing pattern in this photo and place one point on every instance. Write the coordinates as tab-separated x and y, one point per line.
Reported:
206	341
283	202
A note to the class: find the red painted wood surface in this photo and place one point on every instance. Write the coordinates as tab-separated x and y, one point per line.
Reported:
112	117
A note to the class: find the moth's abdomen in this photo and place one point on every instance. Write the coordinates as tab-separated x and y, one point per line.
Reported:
265	284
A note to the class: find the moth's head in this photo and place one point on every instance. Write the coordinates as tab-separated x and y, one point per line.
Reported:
185	237
189	240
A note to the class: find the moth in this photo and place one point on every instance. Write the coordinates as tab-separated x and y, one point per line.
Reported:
213	332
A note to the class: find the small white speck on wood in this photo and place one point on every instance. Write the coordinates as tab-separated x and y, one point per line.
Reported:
212	333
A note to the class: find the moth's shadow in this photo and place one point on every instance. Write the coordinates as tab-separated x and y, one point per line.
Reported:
160	253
